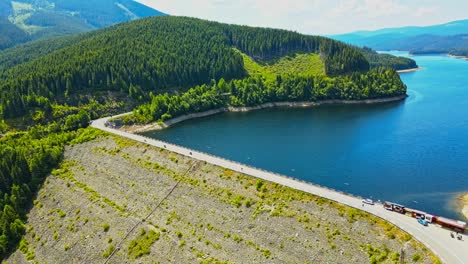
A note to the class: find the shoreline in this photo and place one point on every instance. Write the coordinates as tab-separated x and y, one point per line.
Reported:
409	70
458	57
163	125
462	204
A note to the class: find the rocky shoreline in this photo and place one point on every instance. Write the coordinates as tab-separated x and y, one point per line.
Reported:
173	121
462	201
409	70
458	57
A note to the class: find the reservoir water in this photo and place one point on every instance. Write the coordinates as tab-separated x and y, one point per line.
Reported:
413	152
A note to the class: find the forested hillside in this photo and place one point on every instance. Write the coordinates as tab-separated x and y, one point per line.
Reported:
156	55
386	60
43	19
33	50
30	51
25	160
10	34
252	91
462	51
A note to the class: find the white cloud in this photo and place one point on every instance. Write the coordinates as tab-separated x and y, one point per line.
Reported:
317	16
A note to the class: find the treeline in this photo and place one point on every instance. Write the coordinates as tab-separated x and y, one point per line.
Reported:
252	91
386	60
263	44
33	50
160	54
153	54
26	158
460	52
10	34
455	48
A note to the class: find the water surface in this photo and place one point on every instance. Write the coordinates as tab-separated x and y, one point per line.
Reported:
413	152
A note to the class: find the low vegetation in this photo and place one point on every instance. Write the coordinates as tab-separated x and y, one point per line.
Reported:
211	216
300	64
141	245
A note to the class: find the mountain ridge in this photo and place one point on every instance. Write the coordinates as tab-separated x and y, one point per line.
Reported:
43	19
442	37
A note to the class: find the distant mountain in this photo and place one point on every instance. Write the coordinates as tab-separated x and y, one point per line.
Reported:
10	34
437	38
26	20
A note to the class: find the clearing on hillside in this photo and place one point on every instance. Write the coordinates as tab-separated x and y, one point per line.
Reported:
304	64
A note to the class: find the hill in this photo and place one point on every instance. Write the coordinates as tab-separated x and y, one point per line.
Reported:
157	55
30	51
437	38
41	19
386	60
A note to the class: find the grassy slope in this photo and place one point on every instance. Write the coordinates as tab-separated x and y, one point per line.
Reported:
106	186
301	64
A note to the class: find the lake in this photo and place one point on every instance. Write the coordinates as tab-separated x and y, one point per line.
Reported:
413	152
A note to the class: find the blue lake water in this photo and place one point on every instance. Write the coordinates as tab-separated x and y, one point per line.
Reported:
413	152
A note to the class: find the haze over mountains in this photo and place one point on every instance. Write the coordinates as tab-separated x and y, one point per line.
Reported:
445	38
27	20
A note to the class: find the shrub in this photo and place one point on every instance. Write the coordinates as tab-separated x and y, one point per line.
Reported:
106	227
109	251
416	257
237	238
248	203
182	243
142	244
61	214
259	185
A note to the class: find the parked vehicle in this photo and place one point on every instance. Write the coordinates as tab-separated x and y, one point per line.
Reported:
368	201
458	226
422	222
394	207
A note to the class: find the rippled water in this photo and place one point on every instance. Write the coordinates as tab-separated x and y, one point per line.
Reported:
413	152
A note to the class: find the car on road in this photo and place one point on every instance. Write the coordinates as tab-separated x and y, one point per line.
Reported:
423	222
368	201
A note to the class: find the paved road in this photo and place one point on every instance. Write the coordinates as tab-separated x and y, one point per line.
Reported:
437	239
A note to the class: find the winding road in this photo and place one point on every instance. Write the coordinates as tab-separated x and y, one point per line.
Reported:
437	239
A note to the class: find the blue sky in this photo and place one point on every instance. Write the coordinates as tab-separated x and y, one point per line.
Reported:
319	16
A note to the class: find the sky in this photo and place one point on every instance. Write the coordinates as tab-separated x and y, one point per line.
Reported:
321	17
